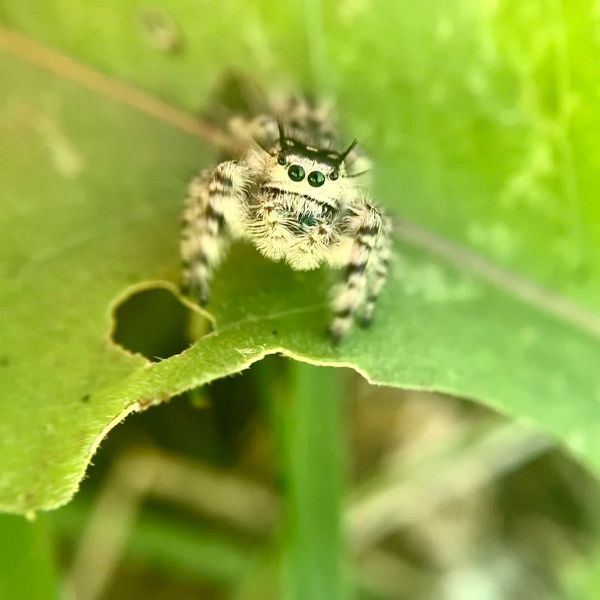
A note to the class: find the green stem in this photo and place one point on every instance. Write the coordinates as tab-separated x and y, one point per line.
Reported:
27	567
314	565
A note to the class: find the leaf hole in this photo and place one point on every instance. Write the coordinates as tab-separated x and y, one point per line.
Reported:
154	323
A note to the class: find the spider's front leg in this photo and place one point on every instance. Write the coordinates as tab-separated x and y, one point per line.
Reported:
212	215
365	269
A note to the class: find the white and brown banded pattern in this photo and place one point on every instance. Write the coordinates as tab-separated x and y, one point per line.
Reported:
213	211
365	270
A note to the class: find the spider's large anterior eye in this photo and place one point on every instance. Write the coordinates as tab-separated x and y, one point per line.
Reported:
296	173
316	178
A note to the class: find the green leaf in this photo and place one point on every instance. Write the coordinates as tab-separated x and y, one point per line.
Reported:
482	118
27	570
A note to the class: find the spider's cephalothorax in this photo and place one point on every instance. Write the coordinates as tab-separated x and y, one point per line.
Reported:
296	198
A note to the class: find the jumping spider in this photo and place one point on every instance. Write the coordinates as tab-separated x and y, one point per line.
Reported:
296	198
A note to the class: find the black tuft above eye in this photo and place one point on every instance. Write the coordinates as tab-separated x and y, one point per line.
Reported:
334	175
296	173
281	159
316	178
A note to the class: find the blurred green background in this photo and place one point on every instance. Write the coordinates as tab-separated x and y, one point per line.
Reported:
270	468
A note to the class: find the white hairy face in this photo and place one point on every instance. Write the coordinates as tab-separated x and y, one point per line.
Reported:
297	205
307	177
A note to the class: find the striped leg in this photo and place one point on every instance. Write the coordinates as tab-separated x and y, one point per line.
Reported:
365	265
302	116
212	213
377	277
262	129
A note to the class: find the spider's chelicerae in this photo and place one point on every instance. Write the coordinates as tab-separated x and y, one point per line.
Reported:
296	197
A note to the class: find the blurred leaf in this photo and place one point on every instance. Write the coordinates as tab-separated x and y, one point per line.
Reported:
483	121
583	579
26	563
167	545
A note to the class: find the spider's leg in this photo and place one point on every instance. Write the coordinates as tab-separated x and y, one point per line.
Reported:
212	215
365	269
308	119
377	277
261	130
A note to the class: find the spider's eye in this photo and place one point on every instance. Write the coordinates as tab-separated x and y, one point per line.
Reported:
308	220
296	173
281	159
334	175
316	178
